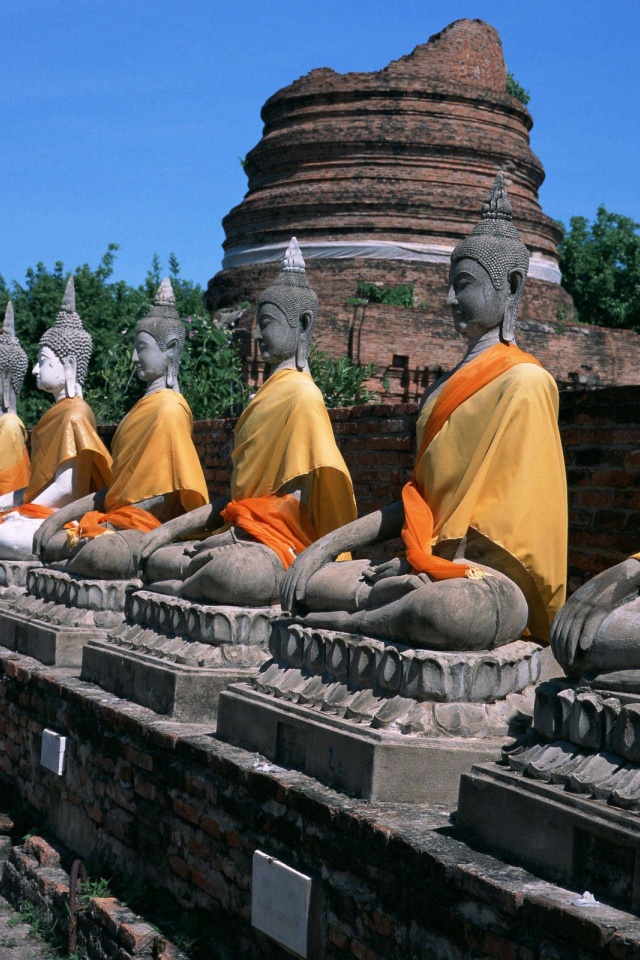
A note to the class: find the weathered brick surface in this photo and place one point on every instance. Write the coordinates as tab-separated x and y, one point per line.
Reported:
105	927
398	885
424	339
404	153
601	439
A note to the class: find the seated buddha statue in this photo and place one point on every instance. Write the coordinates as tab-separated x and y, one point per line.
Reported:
597	629
484	518
14	458
289	483
156	474
68	458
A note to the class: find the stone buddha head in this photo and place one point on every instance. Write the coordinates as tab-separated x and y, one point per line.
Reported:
64	351
159	341
287	313
488	271
13	363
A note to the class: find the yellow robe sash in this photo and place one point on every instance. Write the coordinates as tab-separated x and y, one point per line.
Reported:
14	459
495	468
283	434
65	431
153	454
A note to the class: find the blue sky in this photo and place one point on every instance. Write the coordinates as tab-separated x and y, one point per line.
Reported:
123	120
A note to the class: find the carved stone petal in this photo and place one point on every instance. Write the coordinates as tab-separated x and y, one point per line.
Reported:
554	757
627	795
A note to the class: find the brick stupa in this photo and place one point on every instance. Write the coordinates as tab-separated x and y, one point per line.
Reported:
379	175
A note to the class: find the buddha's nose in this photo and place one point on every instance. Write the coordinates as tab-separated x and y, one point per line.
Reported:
451	298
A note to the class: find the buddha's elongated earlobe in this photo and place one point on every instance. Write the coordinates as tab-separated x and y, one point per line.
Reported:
304	341
70	379
6	389
171	375
508	325
302	352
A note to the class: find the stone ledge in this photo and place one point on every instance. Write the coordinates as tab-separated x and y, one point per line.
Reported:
555	831
184	688
368	762
175	657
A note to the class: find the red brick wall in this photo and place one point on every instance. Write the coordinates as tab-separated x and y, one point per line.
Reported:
182	813
572	352
601	437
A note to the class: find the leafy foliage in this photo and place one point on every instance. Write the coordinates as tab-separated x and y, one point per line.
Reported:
400	295
341	381
210	373
514	89
600	263
211	369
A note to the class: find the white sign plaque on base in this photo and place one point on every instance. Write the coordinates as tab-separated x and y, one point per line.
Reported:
280	903
52	751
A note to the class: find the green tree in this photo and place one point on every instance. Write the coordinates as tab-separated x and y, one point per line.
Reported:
211	369
600	263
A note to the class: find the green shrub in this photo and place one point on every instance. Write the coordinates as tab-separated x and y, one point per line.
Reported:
400	295
341	381
515	90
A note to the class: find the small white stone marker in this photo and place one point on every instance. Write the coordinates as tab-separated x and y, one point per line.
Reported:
52	751
586	900
280	903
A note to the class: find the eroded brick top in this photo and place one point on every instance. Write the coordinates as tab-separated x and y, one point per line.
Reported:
405	154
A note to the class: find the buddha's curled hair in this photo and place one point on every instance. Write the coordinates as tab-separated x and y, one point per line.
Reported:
494	242
12	356
291	291
162	322
67	337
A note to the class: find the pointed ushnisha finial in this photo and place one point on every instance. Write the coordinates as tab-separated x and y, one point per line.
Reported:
293	260
164	294
497	205
69	299
8	325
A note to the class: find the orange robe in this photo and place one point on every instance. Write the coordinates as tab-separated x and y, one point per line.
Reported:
491	464
153	454
285	434
14	459
65	431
